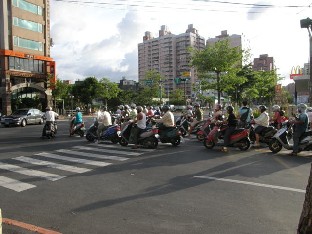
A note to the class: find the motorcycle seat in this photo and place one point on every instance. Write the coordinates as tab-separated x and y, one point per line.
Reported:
238	130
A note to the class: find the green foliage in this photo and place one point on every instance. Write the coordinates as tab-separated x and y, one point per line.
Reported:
217	66
177	97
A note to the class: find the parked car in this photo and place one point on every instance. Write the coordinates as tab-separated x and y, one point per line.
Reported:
22	117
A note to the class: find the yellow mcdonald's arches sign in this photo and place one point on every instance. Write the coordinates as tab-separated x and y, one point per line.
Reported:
296	71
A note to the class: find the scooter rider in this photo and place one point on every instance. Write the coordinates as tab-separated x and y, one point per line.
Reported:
50	117
167	119
104	120
78	119
232	124
197	117
139	125
261	123
300	126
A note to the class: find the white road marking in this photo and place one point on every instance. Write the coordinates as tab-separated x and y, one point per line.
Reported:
124	148
72	152
107	151
52	165
252	183
30	172
15	185
76	160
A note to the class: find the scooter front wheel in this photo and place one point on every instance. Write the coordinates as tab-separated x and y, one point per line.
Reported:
90	137
176	141
209	144
123	142
200	136
275	146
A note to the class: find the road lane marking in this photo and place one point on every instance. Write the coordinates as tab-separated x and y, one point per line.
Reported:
30	172
76	160
15	185
92	155
124	148
52	165
252	183
107	151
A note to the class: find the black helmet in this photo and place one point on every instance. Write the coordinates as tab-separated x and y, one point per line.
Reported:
165	108
263	108
230	108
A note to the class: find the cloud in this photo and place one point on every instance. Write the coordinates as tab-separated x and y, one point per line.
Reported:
82	50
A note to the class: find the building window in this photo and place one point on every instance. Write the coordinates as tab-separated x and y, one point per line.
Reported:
27	44
29	65
27	24
27	6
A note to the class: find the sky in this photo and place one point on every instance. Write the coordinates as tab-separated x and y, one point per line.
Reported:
100	37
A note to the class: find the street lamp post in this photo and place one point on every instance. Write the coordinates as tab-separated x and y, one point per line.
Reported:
72	104
307	23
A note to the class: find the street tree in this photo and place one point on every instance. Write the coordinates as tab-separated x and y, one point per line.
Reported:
177	97
85	91
107	90
216	65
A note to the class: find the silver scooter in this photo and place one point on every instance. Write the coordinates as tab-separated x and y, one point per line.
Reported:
281	139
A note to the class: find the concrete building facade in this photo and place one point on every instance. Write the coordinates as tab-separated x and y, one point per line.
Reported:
263	63
168	54
26	68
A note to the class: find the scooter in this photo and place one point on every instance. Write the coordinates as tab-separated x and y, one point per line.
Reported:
281	139
146	139
111	133
183	125
239	138
204	130
265	136
79	129
49	129
169	135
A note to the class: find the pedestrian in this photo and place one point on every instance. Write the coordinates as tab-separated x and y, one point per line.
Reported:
301	124
244	114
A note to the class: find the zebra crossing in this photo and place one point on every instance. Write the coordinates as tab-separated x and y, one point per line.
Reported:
83	157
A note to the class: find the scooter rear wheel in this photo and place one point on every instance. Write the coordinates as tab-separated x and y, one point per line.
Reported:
200	137
150	143
176	141
245	145
275	146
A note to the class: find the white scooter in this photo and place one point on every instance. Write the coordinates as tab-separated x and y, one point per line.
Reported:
280	140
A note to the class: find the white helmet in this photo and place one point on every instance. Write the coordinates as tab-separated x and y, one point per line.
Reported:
276	108
302	107
77	108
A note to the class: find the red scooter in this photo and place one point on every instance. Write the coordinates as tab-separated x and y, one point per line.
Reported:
239	138
204	130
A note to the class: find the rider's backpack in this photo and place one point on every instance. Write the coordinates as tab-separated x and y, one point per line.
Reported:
244	116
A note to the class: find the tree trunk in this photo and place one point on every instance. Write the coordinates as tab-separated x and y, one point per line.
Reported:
305	221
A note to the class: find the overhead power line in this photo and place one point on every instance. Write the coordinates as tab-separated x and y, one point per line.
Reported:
194	7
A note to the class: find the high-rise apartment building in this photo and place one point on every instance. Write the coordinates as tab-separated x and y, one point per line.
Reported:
263	63
26	69
234	39
168	54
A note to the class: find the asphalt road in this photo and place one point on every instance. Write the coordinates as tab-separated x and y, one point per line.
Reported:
72	186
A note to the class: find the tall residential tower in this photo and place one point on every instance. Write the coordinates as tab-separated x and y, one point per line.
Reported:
168	54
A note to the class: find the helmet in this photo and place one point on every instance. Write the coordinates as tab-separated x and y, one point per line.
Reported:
133	106
144	106
165	108
139	108
48	108
121	107
302	107
77	108
196	105
276	108
189	107
263	108
127	107
230	108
